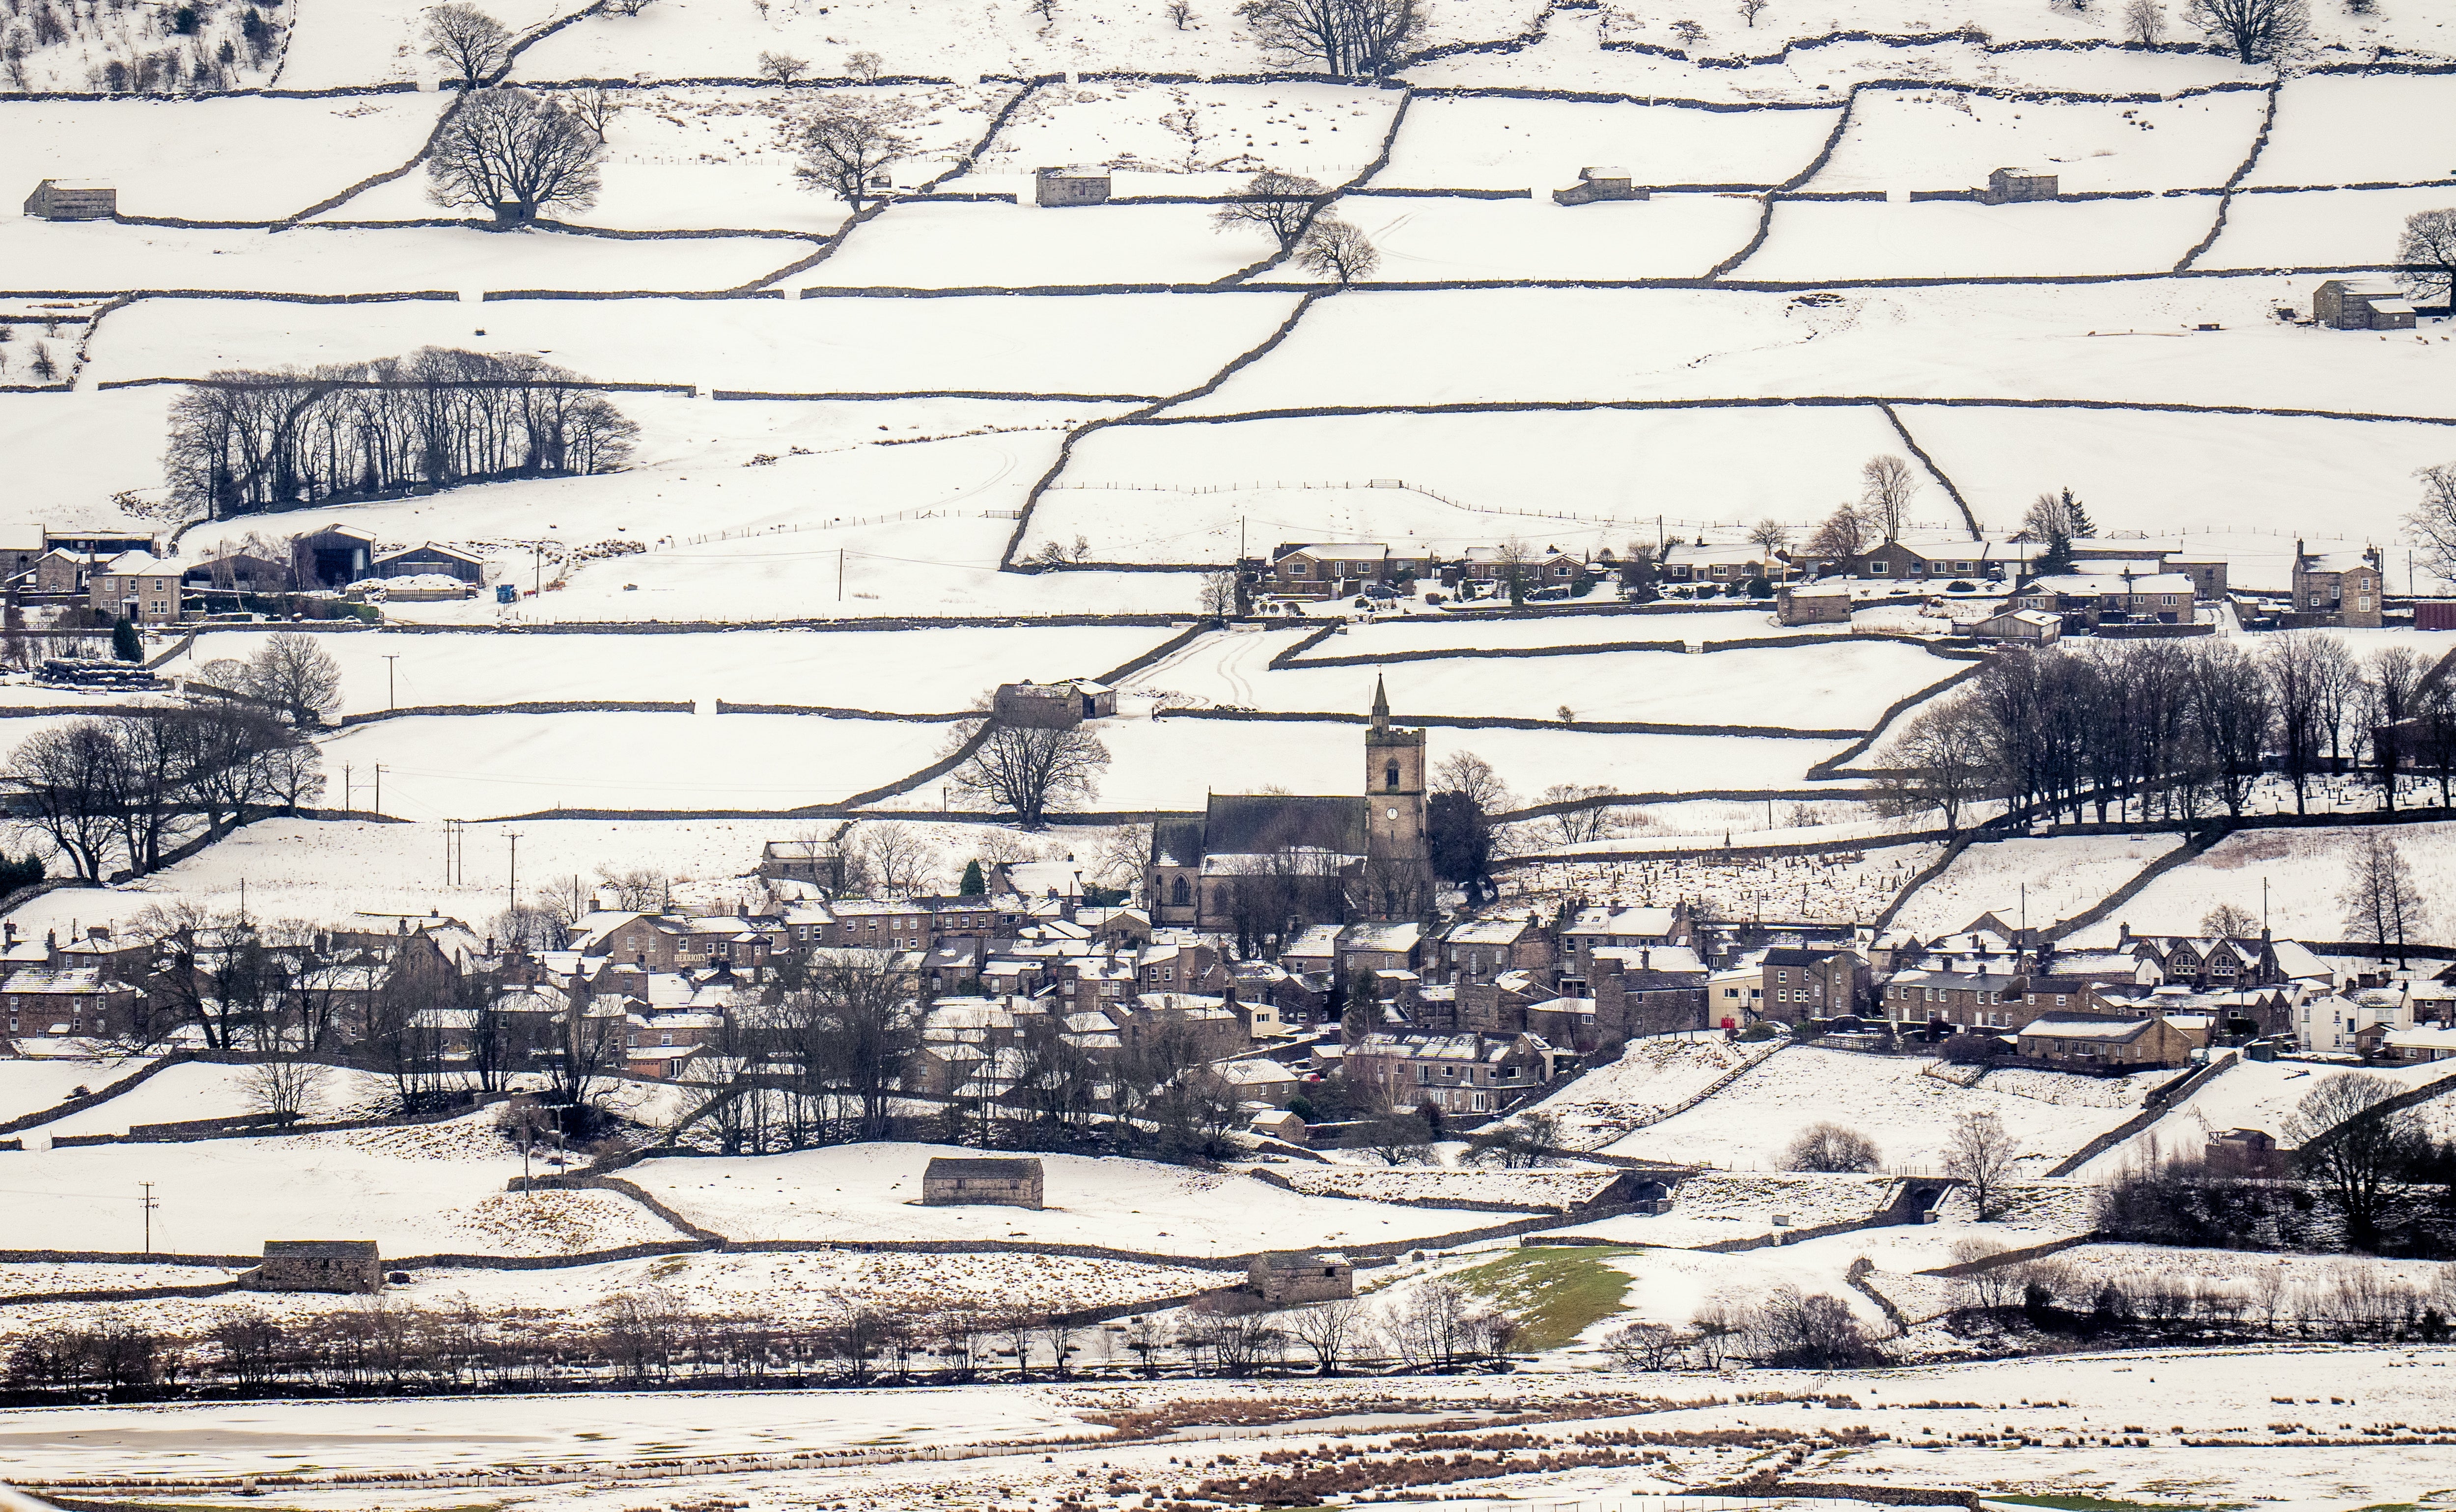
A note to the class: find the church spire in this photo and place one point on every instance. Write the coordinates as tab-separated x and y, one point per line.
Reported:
1381	704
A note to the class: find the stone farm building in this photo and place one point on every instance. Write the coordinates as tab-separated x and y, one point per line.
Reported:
317	1265
73	199
2338	588
1070	185
1053	705
1599	184
2007	186
2104	1040
138	585
1290	1277
2361	304
960	1181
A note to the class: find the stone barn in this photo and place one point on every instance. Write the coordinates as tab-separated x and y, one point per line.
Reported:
1053	705
1596	184
73	199
1813	604
2361	304
431	561
990	1182
1070	185
1287	1277
317	1265
2013	186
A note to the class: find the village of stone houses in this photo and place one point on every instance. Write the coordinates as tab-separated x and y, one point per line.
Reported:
1200	755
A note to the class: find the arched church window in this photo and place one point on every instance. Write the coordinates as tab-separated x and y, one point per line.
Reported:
1390	775
1178	893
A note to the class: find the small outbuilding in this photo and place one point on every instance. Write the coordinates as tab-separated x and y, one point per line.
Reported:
73	199
2361	304
1055	187
1813	604
2021	626
1053	705
431	561
1288	1278
2250	1152
958	1181
317	1265
1598	183
2011	186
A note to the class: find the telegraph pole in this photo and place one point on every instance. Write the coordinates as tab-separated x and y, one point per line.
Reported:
390	700
512	889
840	556
148	1203
379	788
346	810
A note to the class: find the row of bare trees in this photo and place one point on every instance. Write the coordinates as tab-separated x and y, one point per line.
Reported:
653	1335
242	440
2172	728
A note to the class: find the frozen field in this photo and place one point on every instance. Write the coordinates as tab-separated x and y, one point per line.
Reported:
1652	1076
952	246
1669	236
1819	239
437	1188
1908	1113
214	159
1901	140
855	1193
2064	876
492	765
1704	464
1133	344
297	869
2304	870
2250	1094
98	257
180	1093
1168	763
1541	144
2135	340
1846	685
902	672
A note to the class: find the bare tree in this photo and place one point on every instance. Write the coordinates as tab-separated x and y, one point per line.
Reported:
284	1088
899	857
1327	1331
2433	522
782	68
848	146
1887	483
1179	13
515	154
2427	251
1588	820
596	109
2229	921
2144	22
1979	1155
1944	759
1829	1147
1643	1346
1769	536
2382	907
1029	769
1349	37
468	41
296	678
1467	772
1283	204
1750	10
1335	249
2258	30
864	66
1220	594
1844	533
2357	1155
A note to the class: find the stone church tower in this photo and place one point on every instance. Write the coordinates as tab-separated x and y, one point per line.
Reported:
1398	873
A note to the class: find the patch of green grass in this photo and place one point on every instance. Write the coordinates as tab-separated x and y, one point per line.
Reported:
1555	1291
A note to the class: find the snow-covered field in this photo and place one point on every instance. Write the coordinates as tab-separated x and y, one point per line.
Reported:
1540	145
1819	239
1893	1101
1652	1076
2247	1094
899	672
30	1086
180	1093
872	1192
435	1188
2062	876
2299	874
1950	139
1845	686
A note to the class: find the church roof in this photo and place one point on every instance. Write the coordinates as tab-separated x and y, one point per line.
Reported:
1256	824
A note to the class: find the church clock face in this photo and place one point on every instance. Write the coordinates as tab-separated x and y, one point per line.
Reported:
1389	813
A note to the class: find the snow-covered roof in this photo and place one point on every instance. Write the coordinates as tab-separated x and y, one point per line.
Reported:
144	564
2085	583
2336	560
2423	1036
2073	1027
1342	551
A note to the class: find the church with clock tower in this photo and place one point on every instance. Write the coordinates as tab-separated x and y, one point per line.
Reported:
1315	857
